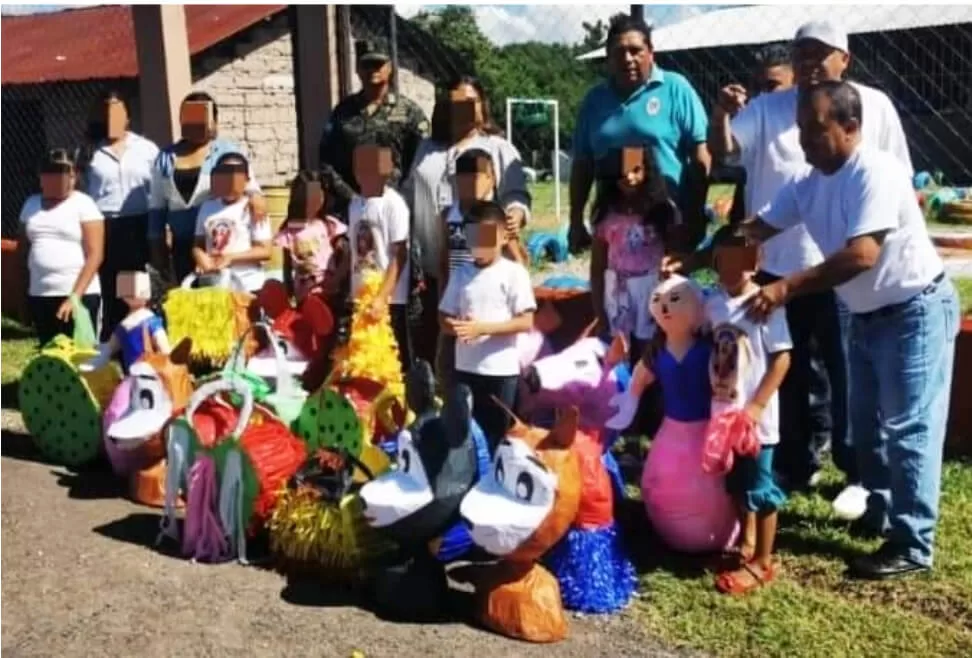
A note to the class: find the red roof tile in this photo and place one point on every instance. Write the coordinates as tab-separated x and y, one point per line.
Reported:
99	42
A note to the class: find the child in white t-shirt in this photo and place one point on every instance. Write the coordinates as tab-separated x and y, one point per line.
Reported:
228	239
378	220
486	303
749	361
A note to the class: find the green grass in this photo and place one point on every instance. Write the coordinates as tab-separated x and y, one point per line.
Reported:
964	287
813	610
19	345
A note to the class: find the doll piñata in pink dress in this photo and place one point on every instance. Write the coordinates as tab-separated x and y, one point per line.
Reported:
689	508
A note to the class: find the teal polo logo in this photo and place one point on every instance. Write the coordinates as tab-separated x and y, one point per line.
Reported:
653	106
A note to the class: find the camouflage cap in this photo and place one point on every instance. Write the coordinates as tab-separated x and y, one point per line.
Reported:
371	50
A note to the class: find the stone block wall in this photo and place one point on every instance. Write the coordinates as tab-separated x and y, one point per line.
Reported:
253	84
254	88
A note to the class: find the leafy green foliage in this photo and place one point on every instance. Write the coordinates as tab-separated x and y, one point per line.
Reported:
522	70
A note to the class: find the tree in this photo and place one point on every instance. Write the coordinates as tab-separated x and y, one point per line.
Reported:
595	36
455	27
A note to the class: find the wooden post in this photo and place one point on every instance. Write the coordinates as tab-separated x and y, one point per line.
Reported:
164	73
313	31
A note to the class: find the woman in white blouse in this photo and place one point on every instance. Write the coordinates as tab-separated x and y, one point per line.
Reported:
63	233
118	177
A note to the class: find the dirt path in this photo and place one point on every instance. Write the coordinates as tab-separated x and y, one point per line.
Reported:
79	580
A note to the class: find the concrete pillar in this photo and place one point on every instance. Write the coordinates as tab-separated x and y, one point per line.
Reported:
164	73
316	54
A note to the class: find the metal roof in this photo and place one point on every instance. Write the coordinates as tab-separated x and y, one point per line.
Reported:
756	24
99	42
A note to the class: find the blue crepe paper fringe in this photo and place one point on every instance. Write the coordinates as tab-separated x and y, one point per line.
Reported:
594	571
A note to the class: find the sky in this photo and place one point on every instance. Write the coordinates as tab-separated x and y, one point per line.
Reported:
504	24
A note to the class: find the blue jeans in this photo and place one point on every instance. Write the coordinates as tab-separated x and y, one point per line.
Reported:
901	360
841	443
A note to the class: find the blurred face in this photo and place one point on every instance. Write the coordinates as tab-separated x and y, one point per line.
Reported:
478	184
814	61
197	119
313	199
372	167
774	78
465	111
735	265
56	182
632	174
485	240
825	142
374	73
229	179
630	59
116	119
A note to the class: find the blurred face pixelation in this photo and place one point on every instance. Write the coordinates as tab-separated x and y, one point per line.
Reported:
372	167
116	119
476	184
196	120
229	179
465	110
632	172
485	239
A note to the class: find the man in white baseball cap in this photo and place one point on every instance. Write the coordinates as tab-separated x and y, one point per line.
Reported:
762	133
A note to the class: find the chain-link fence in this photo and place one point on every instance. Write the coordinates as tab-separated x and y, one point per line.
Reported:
531	58
920	56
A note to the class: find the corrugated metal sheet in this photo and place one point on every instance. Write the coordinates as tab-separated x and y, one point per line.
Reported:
757	24
99	42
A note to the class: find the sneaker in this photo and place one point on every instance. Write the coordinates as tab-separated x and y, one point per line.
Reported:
851	503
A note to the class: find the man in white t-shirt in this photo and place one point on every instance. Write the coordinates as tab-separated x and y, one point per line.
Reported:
378	220
857	204
765	137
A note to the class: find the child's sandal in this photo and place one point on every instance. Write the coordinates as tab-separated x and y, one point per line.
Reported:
728	583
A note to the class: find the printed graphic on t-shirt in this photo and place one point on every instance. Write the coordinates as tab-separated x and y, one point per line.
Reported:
366	247
731	355
220	230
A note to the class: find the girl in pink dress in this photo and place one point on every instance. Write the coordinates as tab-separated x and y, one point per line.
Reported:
635	223
314	243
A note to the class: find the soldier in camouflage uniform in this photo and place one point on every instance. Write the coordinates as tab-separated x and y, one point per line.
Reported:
373	115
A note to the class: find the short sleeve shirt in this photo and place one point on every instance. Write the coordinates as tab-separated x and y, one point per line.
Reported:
497	293
871	193
664	114
375	225
311	248
56	250
740	358
229	229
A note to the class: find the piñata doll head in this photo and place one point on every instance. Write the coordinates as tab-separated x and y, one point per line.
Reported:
677	305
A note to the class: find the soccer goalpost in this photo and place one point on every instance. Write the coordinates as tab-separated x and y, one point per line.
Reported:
545	102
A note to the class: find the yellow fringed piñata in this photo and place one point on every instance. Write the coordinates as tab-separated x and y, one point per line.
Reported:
214	318
371	351
328	541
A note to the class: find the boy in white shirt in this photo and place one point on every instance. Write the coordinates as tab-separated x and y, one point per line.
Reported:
486	303
228	238
378	220
749	362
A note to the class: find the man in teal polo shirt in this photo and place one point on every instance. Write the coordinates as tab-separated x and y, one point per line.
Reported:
641	104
